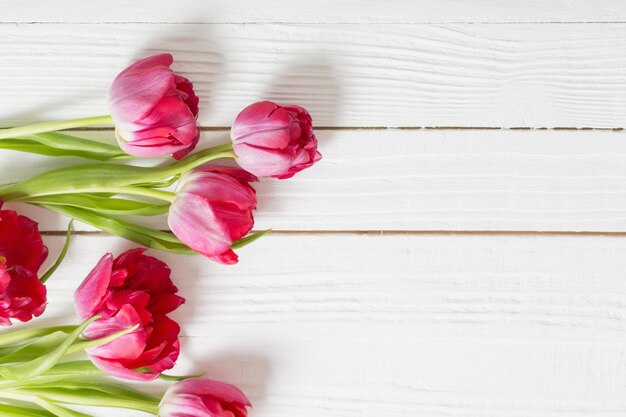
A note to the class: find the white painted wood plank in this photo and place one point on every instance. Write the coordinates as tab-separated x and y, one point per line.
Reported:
353	325
324	11
533	180
347	75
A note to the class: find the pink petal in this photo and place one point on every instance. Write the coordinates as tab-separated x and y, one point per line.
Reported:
208	387
193	221
91	292
116	369
262	162
125	348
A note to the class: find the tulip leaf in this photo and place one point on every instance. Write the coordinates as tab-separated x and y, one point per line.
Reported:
34	348
57	263
99	150
103	205
17	336
14	411
61	371
39	365
97	387
93	393
105	177
89	344
58	410
86	178
145	236
33	146
174	378
249	239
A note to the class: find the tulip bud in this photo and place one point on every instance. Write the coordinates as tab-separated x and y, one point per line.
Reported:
202	397
213	208
274	141
154	109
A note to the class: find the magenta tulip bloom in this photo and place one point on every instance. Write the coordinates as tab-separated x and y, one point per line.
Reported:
202	397
22	252
274	141
154	109
213	208
132	290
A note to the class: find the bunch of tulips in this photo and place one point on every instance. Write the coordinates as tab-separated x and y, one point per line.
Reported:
125	301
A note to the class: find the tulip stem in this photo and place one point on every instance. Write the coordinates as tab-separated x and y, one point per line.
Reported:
54	126
139	191
199	158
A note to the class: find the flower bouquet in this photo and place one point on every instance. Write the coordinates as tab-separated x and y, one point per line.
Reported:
125	331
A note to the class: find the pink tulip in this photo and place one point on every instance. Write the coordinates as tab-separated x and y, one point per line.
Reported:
154	109
274	141
202	397
132	290
213	208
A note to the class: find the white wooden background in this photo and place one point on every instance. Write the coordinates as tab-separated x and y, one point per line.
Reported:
461	248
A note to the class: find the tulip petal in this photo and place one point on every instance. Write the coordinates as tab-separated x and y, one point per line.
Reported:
262	162
220	390
114	368
193	221
90	295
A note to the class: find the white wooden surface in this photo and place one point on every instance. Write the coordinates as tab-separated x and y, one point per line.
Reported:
398	282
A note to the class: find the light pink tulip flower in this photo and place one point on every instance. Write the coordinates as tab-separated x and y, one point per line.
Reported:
213	208
274	141
202	397
154	109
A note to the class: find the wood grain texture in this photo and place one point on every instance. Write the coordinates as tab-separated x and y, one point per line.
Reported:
324	11
537	75
526	180
346	326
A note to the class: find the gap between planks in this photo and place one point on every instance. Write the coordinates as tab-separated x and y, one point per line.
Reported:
321	23
391	233
330	128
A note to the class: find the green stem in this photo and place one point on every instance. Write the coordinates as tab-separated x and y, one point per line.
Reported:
68	397
137	191
197	159
12	337
54	126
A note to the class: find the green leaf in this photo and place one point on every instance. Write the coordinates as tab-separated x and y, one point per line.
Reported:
61	371
9	338
57	410
34	348
84	178
88	344
173	378
98	387
39	365
61	141
103	205
36	147
145	236
93	393
82	368
249	239
61	256
14	411
103	177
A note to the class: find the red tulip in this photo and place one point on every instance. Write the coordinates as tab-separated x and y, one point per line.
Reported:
202	397
154	109
274	141
22	295
212	209
132	290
